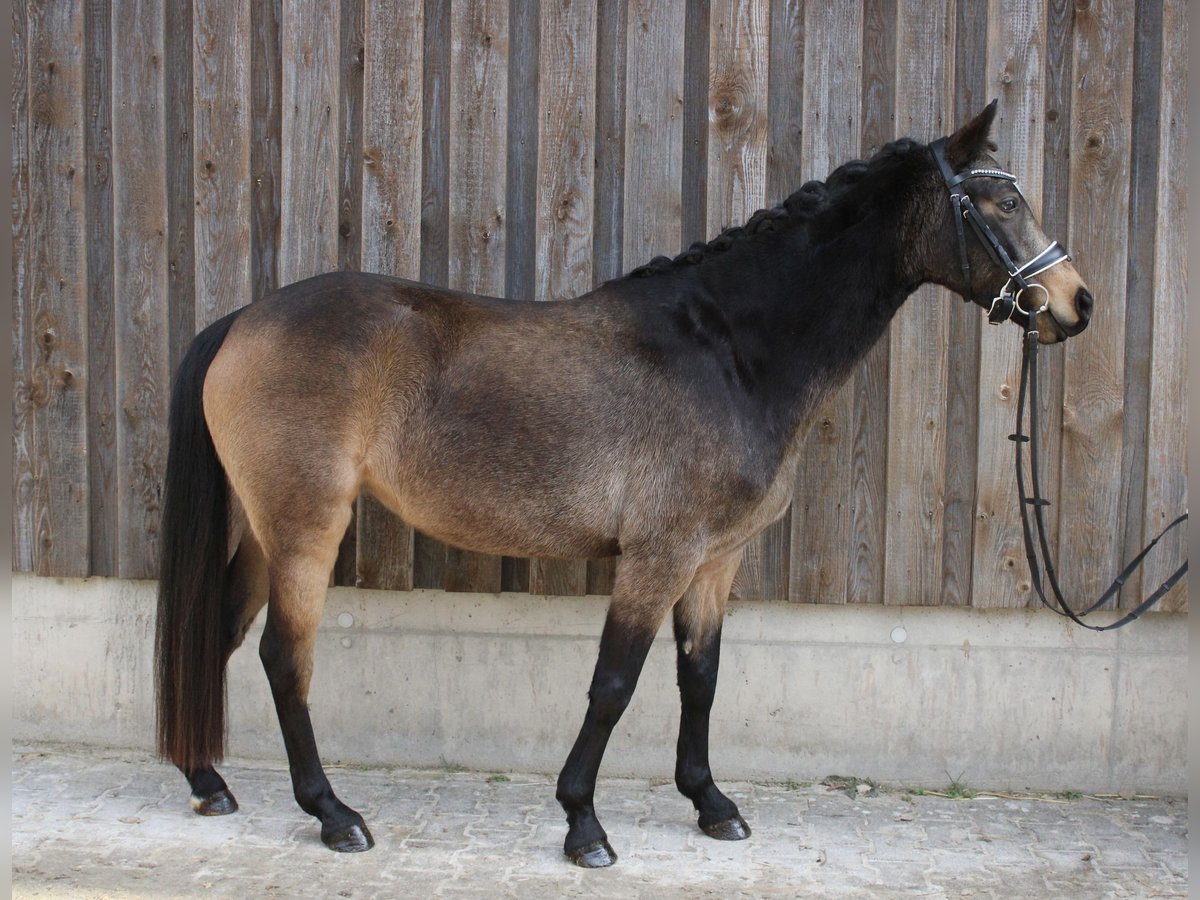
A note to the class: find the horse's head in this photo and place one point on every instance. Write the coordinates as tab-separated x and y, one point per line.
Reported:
992	248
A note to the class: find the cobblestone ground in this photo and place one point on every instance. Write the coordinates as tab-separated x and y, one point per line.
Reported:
90	823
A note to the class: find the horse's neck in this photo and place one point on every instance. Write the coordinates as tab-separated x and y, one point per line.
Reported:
808	317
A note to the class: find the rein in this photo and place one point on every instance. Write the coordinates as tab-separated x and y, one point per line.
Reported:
1004	306
1038	504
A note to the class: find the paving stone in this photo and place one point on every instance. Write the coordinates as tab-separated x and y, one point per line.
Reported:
89	823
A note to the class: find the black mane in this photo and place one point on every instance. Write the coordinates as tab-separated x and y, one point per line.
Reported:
812	199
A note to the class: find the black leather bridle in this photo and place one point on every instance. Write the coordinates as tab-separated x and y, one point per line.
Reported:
1004	306
1008	301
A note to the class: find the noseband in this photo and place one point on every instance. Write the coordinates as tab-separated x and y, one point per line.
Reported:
1008	302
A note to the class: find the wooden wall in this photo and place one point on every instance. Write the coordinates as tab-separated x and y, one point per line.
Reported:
173	161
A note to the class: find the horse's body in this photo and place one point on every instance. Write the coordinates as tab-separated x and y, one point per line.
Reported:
659	416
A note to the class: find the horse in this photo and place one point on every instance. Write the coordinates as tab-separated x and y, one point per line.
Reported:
660	416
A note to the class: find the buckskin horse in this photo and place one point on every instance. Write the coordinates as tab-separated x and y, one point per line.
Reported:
659	416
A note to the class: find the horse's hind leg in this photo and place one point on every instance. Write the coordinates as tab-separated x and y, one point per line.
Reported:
245	595
299	574
645	589
698	616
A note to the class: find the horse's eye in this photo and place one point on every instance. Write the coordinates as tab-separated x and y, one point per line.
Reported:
1009	204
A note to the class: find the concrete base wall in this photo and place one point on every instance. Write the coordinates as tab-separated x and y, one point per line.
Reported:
999	699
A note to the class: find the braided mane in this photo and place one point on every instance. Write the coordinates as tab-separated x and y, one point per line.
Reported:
802	206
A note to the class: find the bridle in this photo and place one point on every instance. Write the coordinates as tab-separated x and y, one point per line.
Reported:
1004	306
1007	302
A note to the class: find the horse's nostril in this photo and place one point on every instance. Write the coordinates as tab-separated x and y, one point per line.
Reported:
1083	304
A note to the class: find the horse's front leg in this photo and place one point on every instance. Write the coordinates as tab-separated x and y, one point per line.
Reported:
645	589
698	617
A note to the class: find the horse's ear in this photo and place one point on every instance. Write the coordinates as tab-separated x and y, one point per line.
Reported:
966	144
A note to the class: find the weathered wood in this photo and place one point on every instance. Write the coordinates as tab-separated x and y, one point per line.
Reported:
266	126
211	117
868	452
917	381
739	35
102	378
696	80
1092	532
609	185
140	281
390	227
221	140
566	141
820	522
180	178
653	130
1140	282
350	164
309	186
23	439
1166	432
1000	574
972	90
478	218
1056	203
429	556
521	158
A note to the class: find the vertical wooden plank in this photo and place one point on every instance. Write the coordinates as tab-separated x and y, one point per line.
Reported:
916	418
391	227
1166	433
1091	538
1056	206
24	520
180	177
102	382
221	138
972	90
478	219
1016	74
429	556
1140	287
566	140
609	191
737	136
140	279
820	533
520	245
694	165
266	126
868	453
350	165
309	187
609	187
737	172
56	426
653	130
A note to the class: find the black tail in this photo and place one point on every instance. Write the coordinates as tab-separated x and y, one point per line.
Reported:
189	651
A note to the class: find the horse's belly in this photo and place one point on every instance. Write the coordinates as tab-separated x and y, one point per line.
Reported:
486	519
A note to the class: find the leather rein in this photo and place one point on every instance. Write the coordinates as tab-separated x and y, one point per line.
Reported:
1007	304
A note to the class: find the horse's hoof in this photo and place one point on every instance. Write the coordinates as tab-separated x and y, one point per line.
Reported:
734	829
349	839
595	855
220	803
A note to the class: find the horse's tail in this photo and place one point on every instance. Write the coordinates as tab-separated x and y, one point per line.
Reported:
189	645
